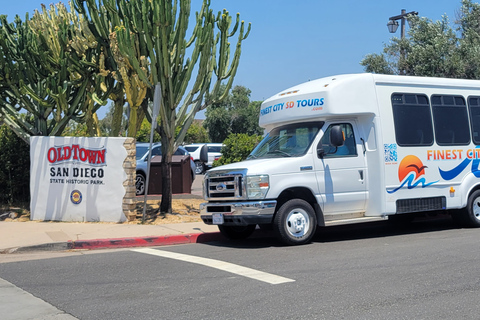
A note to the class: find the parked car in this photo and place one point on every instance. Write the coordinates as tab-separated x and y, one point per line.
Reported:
213	153
196	150
142	162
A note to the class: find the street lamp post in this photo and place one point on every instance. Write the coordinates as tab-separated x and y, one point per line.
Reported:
393	23
393	26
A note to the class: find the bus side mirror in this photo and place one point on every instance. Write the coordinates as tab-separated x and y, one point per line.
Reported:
336	136
320	151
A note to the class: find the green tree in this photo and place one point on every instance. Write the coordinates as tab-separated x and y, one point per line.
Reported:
14	168
468	26
217	123
236	114
434	48
250	116
196	134
75	129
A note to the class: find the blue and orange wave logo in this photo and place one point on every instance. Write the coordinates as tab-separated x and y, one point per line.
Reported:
411	173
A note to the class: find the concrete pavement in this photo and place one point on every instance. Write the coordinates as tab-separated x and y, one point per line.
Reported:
18	237
32	235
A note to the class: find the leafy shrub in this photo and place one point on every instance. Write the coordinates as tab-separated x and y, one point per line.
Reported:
237	148
14	168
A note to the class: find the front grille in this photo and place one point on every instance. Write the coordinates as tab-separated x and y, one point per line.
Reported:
224	185
229	190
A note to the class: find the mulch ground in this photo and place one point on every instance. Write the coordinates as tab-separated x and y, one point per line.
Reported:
183	210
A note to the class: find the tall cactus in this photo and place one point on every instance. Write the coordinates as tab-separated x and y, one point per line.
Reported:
159	28
147	42
104	23
50	68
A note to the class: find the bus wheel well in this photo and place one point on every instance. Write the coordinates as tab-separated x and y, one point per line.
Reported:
477	187
304	194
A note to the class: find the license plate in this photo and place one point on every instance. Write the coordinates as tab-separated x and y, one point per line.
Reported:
217	218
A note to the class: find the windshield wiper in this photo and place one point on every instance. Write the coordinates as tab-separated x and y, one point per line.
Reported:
280	152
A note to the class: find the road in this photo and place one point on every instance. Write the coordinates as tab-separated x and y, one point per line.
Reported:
428	270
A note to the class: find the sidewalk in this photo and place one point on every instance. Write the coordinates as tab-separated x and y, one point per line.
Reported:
16	237
34	236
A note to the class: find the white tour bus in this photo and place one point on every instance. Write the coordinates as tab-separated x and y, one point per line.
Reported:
353	148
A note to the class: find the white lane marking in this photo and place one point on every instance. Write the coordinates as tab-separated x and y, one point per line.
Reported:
217	264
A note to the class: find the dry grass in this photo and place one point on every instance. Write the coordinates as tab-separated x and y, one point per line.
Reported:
183	210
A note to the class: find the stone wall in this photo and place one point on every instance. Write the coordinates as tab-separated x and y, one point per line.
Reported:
129	165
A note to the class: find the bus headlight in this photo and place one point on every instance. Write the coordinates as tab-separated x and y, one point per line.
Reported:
257	186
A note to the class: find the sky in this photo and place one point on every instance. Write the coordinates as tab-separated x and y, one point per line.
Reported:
294	41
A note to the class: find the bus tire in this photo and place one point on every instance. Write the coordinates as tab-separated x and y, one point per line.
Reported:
295	222
471	213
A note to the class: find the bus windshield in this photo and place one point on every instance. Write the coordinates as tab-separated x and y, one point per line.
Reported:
292	140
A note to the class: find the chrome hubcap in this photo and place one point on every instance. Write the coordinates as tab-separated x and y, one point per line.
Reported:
139	185
298	223
198	167
476	208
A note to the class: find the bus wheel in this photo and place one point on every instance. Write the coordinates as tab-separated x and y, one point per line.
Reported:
472	211
237	232
295	222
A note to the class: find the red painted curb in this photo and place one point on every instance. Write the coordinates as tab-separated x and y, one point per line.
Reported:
145	241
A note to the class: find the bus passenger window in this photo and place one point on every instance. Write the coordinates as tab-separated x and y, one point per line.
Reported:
412	119
450	119
474	109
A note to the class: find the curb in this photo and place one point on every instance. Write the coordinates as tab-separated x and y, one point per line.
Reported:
56	246
120	243
144	241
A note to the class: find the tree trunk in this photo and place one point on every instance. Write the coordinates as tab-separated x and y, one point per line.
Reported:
166	204
118	114
166	166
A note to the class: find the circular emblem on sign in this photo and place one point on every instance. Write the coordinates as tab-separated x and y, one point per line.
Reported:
221	187
76	196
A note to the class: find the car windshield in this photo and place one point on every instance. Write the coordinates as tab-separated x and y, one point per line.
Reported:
191	149
292	140
156	151
141	150
215	149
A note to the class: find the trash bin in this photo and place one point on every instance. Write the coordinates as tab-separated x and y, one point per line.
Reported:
181	175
